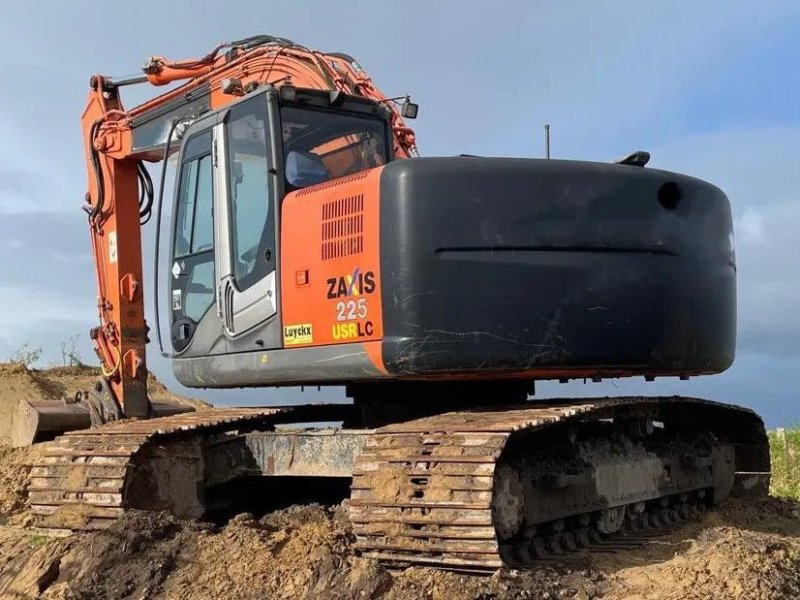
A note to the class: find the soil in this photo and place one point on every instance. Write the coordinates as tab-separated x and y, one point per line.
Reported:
742	550
20	383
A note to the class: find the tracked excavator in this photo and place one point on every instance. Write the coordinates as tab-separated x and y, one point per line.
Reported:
310	245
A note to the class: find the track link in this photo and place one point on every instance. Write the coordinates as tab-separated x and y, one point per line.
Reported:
80	482
434	491
426	492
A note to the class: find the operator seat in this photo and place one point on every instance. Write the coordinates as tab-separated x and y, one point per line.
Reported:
304	169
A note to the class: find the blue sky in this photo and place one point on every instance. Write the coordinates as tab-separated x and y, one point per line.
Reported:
710	89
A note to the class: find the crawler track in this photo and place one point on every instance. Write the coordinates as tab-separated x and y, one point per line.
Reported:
429	491
471	491
81	480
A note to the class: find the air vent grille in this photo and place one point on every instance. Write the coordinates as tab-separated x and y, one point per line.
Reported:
343	227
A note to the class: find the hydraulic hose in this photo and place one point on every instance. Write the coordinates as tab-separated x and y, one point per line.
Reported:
146	195
98	173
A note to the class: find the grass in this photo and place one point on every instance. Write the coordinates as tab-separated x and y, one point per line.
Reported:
35	540
784	448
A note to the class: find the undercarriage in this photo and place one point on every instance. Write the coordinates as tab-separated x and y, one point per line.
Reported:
471	490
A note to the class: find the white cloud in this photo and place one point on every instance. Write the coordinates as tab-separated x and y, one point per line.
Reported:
750	225
598	72
27	310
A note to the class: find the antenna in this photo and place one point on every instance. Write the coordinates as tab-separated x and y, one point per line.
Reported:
547	141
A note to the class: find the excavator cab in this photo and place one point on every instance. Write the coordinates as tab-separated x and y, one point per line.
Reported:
236	165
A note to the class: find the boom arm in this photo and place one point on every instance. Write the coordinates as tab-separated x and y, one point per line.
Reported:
119	193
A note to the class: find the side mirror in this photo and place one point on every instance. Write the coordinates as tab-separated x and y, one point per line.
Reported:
409	110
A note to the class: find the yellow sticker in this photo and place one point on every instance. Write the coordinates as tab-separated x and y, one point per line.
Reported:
294	335
264	359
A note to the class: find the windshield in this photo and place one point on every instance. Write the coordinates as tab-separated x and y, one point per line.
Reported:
319	145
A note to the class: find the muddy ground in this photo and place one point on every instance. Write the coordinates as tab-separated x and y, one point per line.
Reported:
743	550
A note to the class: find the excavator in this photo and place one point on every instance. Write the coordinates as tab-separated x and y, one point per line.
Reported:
310	245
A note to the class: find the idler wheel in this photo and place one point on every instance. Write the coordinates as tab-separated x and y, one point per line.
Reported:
508	502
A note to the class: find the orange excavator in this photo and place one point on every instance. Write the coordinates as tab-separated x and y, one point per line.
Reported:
310	245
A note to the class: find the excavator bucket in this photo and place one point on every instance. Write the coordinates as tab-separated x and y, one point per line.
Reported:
43	420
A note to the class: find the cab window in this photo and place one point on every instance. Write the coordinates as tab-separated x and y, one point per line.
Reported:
325	144
252	219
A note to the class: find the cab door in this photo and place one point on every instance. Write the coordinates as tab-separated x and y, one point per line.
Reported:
192	281
245	218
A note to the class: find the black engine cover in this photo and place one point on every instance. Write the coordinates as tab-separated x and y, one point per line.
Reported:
551	267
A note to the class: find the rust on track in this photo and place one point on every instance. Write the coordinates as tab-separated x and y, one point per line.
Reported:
79	483
422	491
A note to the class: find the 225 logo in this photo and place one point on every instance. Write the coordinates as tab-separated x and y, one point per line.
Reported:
351	310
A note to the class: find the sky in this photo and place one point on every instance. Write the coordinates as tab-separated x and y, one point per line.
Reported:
708	88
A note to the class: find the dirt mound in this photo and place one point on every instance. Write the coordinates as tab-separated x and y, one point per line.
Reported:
743	551
723	562
19	383
14	470
302	552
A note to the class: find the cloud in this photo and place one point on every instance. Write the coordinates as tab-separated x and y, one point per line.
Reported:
70	257
29	308
32	180
750	226
610	77
601	73
43	318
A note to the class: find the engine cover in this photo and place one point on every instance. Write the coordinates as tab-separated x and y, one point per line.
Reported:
554	268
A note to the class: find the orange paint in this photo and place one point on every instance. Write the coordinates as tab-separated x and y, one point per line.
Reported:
330	232
117	247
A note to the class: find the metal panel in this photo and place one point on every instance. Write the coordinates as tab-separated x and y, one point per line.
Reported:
302	453
338	363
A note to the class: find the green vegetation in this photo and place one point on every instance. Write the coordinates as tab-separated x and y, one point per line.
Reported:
26	355
69	353
784	446
35	540
29	355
